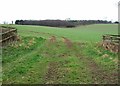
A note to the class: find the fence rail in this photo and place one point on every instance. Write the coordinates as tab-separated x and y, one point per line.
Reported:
7	35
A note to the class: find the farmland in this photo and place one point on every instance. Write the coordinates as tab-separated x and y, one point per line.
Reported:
82	33
51	55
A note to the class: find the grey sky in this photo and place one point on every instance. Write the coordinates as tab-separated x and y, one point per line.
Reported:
58	9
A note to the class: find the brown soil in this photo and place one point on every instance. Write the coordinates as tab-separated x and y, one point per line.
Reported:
52	74
52	39
63	55
68	42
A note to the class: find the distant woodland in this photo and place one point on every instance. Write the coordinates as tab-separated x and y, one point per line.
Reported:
60	23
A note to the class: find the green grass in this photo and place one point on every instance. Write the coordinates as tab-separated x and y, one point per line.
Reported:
35	60
82	33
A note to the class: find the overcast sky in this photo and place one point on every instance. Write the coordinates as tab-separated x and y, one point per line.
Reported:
58	9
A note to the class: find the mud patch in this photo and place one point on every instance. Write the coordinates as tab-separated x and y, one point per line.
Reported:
68	42
52	39
52	75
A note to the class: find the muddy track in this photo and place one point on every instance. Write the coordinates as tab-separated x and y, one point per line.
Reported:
68	42
98	74
52	73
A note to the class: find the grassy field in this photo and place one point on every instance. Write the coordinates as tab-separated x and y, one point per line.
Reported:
50	55
82	33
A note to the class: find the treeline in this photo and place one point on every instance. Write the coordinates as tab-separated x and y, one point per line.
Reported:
60	23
